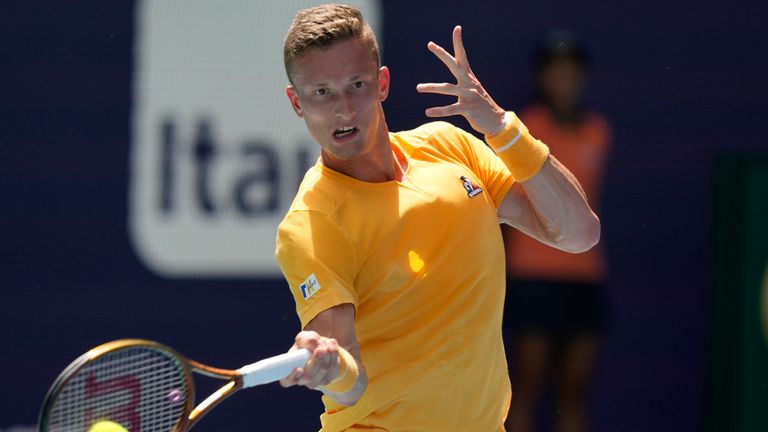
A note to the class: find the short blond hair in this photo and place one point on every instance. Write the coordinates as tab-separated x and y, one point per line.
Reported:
321	27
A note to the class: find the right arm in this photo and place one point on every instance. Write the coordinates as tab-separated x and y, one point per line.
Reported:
322	336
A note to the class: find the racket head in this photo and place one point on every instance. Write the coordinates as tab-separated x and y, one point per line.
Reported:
143	385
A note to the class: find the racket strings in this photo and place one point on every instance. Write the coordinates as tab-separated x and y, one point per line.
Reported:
142	388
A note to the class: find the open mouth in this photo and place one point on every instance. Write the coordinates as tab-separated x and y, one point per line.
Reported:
345	131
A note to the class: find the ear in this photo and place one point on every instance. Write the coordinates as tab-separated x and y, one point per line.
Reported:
383	83
290	91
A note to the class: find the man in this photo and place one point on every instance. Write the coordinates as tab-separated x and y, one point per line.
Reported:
392	248
556	305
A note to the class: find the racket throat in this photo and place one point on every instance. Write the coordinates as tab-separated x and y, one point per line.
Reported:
211	401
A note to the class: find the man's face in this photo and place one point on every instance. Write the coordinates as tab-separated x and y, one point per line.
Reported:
338	92
562	82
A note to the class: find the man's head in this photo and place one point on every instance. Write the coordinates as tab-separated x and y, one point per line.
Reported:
321	27
560	63
337	82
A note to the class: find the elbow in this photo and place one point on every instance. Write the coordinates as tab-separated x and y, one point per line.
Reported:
585	236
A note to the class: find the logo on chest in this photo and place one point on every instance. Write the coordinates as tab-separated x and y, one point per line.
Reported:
471	188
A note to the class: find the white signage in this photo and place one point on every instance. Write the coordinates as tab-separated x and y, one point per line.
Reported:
217	153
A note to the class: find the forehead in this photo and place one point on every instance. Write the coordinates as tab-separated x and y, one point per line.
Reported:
338	62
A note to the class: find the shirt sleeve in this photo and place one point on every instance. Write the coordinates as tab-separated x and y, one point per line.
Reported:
478	157
317	261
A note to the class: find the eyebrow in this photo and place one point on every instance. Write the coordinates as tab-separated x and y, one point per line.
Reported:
323	84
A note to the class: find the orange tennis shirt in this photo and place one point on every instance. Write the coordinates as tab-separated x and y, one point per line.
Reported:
422	261
582	148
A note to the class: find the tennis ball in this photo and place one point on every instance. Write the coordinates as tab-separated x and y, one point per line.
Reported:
107	426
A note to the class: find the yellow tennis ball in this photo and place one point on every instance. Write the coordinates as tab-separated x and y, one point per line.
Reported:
107	426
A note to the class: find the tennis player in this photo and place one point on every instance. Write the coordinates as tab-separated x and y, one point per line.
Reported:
392	247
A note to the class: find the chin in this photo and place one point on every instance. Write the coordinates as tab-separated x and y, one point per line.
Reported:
346	151
342	154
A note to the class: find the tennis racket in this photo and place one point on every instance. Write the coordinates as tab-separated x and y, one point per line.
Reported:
145	386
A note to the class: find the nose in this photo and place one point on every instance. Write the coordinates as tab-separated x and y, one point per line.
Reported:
345	107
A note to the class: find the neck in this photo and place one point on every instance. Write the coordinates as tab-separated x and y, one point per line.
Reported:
566	113
377	164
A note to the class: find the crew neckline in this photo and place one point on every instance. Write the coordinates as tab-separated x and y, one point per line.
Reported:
324	170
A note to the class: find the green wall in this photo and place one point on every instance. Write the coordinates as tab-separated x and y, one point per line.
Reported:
739	366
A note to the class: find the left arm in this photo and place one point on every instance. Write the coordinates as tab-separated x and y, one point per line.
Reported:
549	205
552	208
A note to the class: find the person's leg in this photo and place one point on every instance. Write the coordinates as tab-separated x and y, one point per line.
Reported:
585	318
532	354
533	316
574	380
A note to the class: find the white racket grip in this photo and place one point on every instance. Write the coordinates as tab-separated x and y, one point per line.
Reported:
273	368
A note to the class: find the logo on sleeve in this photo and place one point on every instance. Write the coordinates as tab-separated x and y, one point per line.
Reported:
471	188
309	286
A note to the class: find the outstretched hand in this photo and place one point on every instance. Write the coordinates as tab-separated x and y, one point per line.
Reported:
474	103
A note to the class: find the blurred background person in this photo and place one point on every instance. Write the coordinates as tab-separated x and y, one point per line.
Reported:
556	302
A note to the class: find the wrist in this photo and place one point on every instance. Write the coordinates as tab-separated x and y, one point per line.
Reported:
502	123
347	376
523	154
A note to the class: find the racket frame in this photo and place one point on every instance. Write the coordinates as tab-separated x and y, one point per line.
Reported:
234	384
191	414
186	420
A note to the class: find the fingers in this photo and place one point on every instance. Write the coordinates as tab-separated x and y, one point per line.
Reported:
443	88
446	89
457	63
321	368
292	379
445	111
458	48
307	339
444	57
474	103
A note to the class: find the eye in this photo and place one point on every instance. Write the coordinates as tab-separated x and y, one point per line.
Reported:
358	84
321	92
